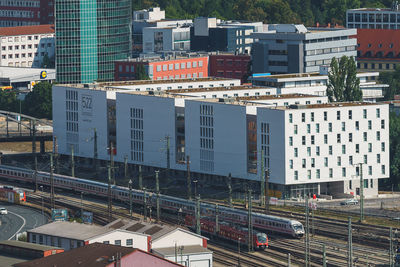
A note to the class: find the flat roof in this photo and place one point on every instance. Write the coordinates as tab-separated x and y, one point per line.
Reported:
7	260
216	89
373	9
327	105
20	72
313	75
27	30
274	97
27	245
154	93
187	250
229	100
163	59
71	230
117	85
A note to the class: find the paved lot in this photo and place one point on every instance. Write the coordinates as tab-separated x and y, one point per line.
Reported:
18	220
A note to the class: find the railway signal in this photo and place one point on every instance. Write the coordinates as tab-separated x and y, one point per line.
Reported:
350	245
250	222
130	197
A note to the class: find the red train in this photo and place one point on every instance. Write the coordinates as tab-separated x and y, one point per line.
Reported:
228	232
12	195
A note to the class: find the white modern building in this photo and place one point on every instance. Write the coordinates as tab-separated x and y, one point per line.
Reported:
308	145
307	48
374	18
26	46
150	14
158	39
315	83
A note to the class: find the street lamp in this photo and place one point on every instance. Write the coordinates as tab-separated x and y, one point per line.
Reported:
130	197
239	251
195	188
41	188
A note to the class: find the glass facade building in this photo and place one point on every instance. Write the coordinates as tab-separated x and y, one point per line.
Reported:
90	36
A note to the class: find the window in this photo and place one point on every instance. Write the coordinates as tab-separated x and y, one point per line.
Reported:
177	66
325	116
357	126
371	183
303	140
382	124
295	129
290	141
291	164
357	148
365	136
312	116
383	169
312	162
343	149
317	151
106	242
317	127
382	147
378	135
296	175
326	162
295	152
343	126
330	127
369	147
318	174
364	113
309	174
338	138
350	184
170	66
378	113
308	128
343	172
369	170
350	137
339	161
41	239
330	172
117	242
350	115
330	150
303	117
325	139
290	117
312	139
365	159
309	151
350	160
129	242
194	64
378	158
304	163
338	115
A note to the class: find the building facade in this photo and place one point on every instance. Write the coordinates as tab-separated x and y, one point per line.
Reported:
307	48
91	36
26	12
230	66
158	39
374	18
167	68
26	46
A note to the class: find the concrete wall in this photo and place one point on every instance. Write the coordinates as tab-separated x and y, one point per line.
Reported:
178	237
139	240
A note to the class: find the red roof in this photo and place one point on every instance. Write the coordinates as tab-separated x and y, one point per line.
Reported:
26	30
378	43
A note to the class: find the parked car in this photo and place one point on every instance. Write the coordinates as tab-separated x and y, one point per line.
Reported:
350	201
3	211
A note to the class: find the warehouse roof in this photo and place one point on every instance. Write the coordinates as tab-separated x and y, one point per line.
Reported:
26	245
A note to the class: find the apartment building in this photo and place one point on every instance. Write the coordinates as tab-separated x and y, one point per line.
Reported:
164	68
307	48
26	46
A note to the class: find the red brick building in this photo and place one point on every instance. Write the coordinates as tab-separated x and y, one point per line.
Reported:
229	66
378	49
26	12
163	68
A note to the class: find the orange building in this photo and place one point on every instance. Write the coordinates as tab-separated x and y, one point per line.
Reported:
166	68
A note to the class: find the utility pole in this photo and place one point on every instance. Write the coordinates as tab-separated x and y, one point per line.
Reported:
262	192
216	219
140	178
130	197
323	255
51	182
56	155
126	167
266	191
144	204
239	252
198	214
33	136
81	204
72	161
230	190
250	221
188	181
112	161
361	193
168	156
109	194
158	196
35	173
391	249
95	154
307	239
350	246
289	263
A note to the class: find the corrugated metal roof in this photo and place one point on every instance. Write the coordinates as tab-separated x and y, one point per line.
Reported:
27	245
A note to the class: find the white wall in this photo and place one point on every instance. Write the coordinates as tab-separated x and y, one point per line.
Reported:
178	237
230	138
140	241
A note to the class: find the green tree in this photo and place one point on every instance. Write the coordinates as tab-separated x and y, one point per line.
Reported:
140	73
394	138
343	84
38	103
392	78
48	62
8	100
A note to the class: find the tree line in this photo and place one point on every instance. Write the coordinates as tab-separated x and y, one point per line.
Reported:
307	12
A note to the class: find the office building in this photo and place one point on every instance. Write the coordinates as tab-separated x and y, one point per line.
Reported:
211	34
26	12
288	48
168	67
374	18
166	38
91	36
27	46
230	66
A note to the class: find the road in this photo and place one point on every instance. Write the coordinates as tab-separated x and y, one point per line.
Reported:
18	220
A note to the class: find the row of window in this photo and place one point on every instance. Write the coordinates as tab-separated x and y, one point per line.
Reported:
338	115
23	55
182	76
177	66
331	174
17	47
128	242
